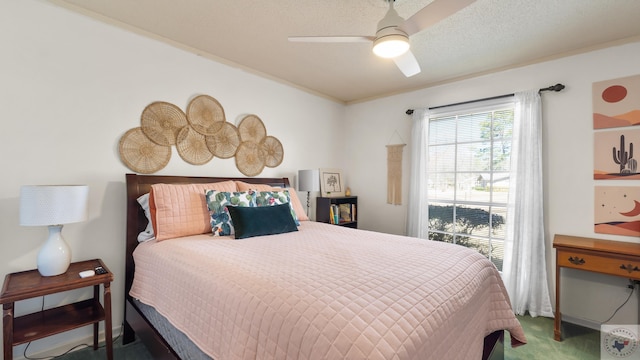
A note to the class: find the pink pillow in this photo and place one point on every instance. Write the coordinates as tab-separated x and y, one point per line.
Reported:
181	209
301	213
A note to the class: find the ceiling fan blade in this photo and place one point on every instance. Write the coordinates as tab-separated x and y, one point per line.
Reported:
431	14
331	39
407	63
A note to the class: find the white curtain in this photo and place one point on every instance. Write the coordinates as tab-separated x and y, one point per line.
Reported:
524	270
418	214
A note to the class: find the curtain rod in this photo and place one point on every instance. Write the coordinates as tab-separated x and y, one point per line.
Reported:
556	88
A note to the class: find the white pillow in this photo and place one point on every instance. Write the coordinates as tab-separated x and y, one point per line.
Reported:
147	234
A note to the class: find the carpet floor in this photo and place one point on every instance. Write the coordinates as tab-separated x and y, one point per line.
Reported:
579	344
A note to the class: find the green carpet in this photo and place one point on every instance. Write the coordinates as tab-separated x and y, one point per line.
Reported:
579	343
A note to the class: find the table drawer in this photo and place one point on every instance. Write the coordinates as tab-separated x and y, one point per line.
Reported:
628	267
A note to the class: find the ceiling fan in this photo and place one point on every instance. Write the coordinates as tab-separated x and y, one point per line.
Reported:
392	34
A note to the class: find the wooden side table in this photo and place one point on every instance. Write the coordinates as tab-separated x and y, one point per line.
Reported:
29	284
616	258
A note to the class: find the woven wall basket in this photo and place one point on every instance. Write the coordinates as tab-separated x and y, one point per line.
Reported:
142	155
274	153
250	158
161	122
252	129
225	142
192	147
205	114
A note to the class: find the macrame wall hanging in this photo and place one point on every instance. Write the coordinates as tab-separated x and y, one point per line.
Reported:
394	173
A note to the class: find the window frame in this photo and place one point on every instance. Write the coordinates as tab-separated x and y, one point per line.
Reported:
457	111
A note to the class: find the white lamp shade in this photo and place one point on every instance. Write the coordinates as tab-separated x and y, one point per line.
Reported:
308	180
53	204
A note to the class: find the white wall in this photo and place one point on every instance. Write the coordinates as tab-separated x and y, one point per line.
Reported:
71	86
568	161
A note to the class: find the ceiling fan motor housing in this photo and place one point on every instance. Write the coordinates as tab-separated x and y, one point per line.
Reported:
390	40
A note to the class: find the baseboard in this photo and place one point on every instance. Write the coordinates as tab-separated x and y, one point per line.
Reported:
62	348
581	322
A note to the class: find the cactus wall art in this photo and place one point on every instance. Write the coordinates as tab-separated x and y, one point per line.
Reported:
614	156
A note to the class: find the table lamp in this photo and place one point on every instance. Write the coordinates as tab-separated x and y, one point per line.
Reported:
53	206
308	180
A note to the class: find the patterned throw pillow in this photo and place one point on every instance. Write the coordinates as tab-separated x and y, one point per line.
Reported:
295	201
217	201
270	198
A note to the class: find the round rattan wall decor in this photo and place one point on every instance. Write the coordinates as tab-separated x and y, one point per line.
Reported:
274	153
252	129
161	122
192	147
250	158
225	142
142	155
205	114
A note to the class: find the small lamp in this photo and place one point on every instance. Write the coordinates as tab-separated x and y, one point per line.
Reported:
308	180
53	206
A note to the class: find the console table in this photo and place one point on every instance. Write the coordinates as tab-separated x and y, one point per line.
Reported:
610	257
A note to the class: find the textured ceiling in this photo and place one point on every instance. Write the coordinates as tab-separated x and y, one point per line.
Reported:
486	36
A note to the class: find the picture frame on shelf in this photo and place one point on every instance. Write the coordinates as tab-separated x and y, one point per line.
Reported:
331	183
345	212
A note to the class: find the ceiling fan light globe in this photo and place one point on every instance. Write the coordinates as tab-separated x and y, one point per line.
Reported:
390	46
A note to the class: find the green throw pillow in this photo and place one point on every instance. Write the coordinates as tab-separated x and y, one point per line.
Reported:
262	220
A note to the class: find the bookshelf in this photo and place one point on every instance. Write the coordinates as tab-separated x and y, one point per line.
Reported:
346	210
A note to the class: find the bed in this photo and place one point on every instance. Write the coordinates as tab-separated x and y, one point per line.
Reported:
317	292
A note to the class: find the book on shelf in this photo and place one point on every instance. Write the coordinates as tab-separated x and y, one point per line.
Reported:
353	213
331	214
345	212
336	214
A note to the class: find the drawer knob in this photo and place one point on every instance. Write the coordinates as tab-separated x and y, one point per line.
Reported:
576	260
630	268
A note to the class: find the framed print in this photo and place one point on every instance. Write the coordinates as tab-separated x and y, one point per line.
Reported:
615	103
331	183
613	156
617	210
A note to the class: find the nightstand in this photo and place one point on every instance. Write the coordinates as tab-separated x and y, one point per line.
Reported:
29	284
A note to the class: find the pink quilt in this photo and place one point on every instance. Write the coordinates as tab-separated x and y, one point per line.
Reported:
325	292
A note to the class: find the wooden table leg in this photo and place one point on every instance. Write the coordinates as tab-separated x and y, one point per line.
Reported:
96	328
108	326
7	330
557	324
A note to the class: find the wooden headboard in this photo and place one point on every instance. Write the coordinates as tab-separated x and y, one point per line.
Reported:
138	185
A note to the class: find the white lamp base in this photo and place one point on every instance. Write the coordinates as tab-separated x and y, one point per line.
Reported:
54	256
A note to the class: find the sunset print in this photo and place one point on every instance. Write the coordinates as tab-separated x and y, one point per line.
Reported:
616	103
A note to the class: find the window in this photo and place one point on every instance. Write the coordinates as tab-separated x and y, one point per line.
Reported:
469	155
